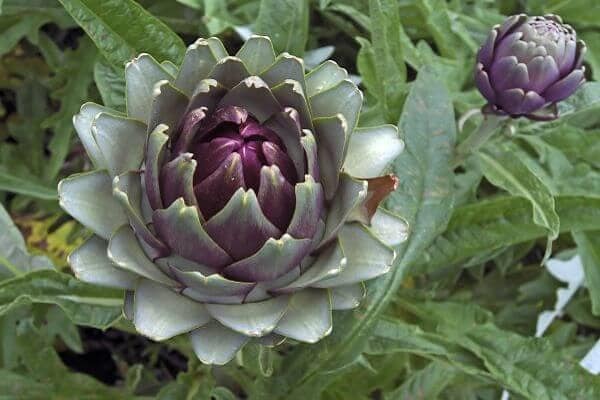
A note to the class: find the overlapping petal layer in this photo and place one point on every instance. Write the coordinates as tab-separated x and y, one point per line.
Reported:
236	199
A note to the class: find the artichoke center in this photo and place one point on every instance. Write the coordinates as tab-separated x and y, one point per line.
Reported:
231	149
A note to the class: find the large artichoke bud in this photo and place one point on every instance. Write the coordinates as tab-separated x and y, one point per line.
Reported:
529	63
235	201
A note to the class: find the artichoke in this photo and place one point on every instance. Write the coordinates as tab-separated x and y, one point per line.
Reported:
529	63
236	201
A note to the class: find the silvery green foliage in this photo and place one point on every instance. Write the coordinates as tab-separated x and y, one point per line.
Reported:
260	244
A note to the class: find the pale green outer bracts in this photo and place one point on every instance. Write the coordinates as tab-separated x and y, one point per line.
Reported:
181	269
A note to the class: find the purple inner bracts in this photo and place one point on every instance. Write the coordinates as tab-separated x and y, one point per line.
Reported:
232	149
226	151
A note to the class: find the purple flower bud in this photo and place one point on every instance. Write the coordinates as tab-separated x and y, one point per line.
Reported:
529	63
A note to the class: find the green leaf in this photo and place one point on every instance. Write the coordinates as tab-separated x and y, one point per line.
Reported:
286	22
449	34
121	29
195	384
395	336
424	199
567	160
48	8
25	186
31	100
111	85
216	16
365	62
71	90
83	303
582	109
577	144
588	245
58	324
574	11
388	56
222	393
14	257
427	383
504	169
552	157
493	224
13	29
451	71
42	375
53	55
15	384
352	13
531	367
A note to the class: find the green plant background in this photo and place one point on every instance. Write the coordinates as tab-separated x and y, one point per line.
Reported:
455	318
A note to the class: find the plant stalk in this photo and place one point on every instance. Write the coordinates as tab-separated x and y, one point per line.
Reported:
482	134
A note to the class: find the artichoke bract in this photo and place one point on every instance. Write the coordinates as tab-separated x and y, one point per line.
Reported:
528	64
236	200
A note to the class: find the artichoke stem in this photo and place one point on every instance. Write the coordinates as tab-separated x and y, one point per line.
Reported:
487	128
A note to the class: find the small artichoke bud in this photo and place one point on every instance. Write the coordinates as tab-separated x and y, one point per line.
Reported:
529	63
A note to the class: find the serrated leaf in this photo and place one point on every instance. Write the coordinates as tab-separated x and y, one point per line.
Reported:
503	168
59	325
122	29
493	224
425	196
582	108
448	34
186	386
71	90
111	85
387	51
27	177
83	303
216	16
395	336
42	375
49	9
577	144
531	367
365	62
427	383
14	384
12	31
286	22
